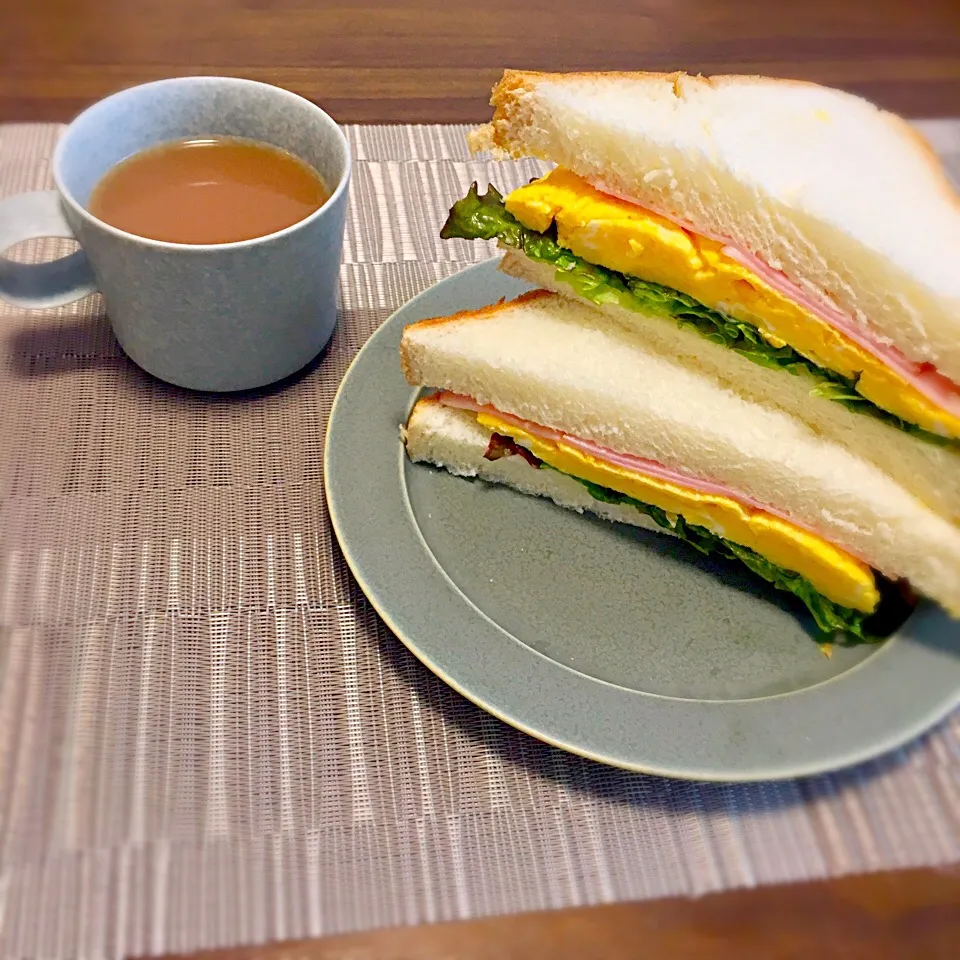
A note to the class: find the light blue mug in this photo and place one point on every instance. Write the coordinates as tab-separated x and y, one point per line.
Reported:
222	317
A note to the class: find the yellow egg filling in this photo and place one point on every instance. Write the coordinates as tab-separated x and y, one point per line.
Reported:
621	236
833	572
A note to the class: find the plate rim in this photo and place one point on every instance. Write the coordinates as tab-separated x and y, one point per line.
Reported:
896	738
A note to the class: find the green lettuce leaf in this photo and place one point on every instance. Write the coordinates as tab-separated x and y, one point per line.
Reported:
484	217
831	618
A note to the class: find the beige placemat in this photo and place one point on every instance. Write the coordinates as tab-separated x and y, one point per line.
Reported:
207	737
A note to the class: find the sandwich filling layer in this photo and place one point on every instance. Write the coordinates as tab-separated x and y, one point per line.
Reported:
840	589
611	250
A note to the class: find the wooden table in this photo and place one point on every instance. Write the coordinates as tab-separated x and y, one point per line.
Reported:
885	916
434	61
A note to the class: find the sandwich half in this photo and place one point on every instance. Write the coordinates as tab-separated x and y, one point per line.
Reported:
794	242
556	399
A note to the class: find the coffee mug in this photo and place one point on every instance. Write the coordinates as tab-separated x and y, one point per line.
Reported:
220	317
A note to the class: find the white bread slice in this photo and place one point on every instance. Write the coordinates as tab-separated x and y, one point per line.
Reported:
930	472
846	199
558	363
453	439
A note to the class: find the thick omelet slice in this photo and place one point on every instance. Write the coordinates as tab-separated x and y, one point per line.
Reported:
833	572
621	236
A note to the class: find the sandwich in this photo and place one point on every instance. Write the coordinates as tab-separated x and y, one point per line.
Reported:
794	243
557	399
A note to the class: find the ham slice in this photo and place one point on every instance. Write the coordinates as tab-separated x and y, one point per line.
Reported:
639	465
923	377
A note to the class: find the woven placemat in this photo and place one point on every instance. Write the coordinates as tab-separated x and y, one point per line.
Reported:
207	736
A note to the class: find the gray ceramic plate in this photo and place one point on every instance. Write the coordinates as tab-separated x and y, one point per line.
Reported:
619	645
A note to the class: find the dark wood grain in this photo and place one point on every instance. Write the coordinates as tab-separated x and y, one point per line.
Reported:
885	916
435	60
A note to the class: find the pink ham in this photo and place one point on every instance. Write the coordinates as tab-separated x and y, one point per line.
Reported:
649	468
924	378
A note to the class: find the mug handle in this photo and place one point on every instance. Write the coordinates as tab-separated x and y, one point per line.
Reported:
25	216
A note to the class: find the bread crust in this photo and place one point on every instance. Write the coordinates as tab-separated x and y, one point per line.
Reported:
472	315
506	94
